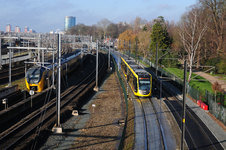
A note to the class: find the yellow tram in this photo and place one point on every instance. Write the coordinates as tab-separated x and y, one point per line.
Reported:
139	79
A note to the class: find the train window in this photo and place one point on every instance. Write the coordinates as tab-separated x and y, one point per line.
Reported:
144	83
33	75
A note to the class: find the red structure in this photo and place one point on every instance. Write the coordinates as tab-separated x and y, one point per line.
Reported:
26	29
17	29
8	28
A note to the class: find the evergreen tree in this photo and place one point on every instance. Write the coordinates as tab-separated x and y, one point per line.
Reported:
144	28
160	35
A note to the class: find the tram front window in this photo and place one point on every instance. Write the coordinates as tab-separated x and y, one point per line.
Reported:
144	84
33	75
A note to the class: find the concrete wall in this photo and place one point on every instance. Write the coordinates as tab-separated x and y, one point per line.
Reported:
8	90
18	108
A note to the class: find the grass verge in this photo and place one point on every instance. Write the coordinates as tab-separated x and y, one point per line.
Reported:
199	83
20	82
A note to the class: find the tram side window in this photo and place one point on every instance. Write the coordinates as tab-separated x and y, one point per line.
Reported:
123	66
135	83
130	77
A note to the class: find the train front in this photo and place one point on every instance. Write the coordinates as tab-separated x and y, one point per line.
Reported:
34	80
145	85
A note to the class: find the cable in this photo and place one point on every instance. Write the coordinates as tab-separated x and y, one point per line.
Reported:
42	115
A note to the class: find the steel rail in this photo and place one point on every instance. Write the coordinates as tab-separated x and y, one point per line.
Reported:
160	126
193	118
179	116
145	124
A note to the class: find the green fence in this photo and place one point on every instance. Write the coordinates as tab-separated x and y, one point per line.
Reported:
216	105
121	145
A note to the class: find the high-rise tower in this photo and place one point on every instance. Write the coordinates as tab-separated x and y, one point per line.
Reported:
69	21
17	29
8	28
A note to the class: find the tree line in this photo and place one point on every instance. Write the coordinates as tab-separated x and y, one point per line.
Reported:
198	37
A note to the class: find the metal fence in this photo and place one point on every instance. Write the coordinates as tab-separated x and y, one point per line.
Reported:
121	145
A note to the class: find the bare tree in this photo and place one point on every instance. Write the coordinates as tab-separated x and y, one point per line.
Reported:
138	22
112	30
144	42
121	28
79	29
104	23
191	33
93	31
217	11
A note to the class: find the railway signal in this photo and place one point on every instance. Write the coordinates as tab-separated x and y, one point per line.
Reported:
17	42
31	92
5	101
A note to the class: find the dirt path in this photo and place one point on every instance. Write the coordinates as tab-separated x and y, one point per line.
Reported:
212	79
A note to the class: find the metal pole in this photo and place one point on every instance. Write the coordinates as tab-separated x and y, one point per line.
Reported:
65	47
96	88
43	57
184	105
81	53
124	47
53	72
74	42
118	61
43	52
31	101
91	43
109	55
118	45
160	100
39	45
156	61
118	53
97	55
129	48
66	76
215	102
10	65
0	52
58	80
127	82
136	50
25	69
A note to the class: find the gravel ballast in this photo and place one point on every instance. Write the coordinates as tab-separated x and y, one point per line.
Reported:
95	127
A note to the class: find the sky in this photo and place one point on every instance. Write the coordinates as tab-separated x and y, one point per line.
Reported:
48	15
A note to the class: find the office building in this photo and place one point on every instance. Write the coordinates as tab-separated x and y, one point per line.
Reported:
69	22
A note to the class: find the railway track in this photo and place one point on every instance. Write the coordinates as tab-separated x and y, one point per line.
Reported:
16	73
148	131
12	137
197	134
